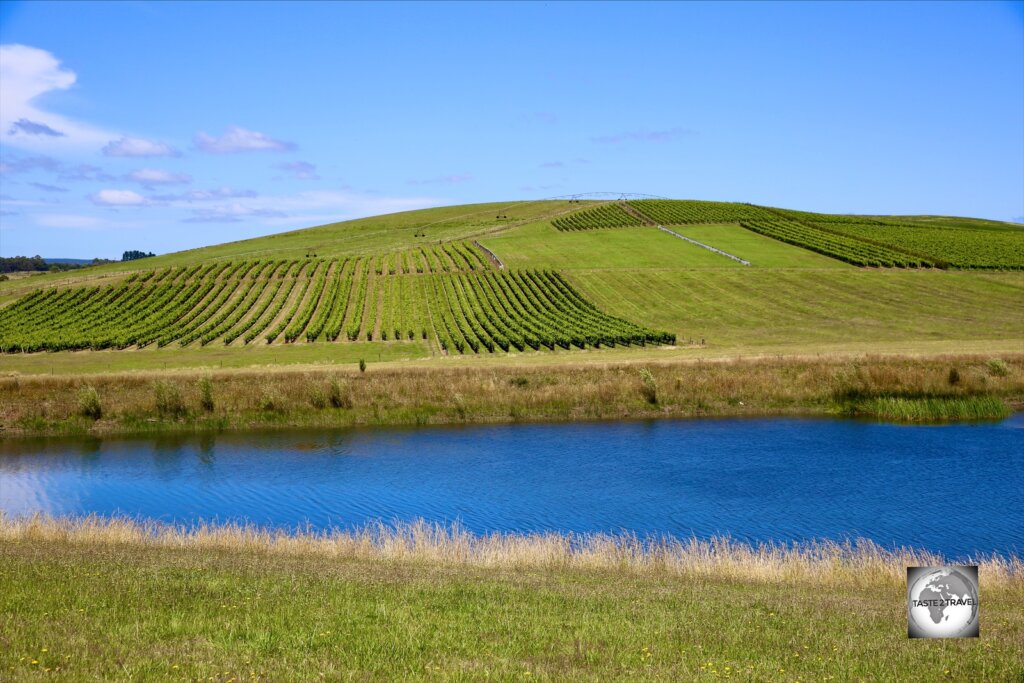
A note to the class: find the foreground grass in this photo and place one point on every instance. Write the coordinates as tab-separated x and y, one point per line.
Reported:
330	396
95	599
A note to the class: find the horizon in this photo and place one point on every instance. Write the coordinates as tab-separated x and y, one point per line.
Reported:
370	114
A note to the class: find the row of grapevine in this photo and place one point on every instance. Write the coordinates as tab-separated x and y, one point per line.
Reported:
355	323
372	305
293	310
470	308
827	218
516	310
837	246
301	320
945	247
602	216
683	212
269	315
336	319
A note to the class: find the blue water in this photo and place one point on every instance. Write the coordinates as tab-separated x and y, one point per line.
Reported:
957	490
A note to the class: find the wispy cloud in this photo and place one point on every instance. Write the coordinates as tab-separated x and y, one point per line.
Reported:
32	128
300	170
149	177
442	180
219	193
118	198
552	164
48	188
18	164
67	220
234	213
87	172
138	147
1017	219
656	136
237	139
26	73
538	188
312	207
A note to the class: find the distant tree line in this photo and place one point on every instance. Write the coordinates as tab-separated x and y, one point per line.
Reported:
19	264
135	254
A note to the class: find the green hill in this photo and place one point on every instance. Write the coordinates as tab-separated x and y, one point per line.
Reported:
541	277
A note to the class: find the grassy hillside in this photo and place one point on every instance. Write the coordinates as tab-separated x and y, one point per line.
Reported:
376	234
539	277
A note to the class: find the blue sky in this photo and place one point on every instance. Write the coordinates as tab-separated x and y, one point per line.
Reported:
162	126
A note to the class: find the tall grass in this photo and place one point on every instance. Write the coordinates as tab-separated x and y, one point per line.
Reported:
342	397
933	409
817	562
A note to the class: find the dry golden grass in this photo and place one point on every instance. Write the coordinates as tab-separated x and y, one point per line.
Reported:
823	563
244	398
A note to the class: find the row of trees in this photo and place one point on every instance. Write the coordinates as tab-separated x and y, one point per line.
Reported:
29	264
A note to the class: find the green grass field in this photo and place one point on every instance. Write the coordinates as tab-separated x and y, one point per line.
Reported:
747	308
225	606
788	298
761	251
538	245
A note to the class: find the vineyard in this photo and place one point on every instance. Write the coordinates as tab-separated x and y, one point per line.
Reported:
603	216
858	240
836	245
659	211
946	247
683	212
448	292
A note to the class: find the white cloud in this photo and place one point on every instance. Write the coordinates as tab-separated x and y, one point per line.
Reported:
154	176
138	147
67	220
118	198
237	139
25	74
232	213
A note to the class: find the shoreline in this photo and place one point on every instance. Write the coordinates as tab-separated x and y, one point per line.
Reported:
419	541
109	600
916	389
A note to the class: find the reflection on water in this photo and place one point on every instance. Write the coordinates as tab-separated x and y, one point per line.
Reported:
952	489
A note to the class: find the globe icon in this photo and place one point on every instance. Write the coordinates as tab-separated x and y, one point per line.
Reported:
944	603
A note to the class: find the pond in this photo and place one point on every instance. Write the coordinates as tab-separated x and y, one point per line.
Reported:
957	489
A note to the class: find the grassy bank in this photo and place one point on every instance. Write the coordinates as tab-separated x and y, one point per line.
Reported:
281	397
96	599
945	409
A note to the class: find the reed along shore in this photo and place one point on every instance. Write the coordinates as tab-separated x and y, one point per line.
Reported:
901	388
